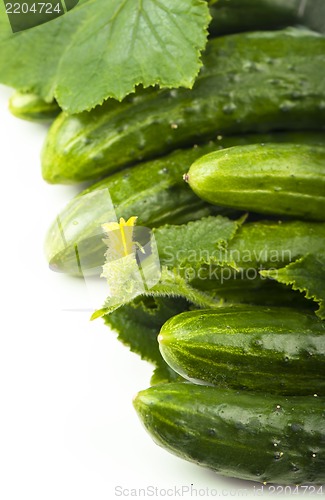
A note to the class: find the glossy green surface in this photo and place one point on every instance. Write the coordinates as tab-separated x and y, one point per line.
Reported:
153	191
268	349
276	179
251	82
235	16
32	108
239	434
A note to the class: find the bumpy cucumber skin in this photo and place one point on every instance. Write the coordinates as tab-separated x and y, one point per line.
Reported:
252	82
276	179
31	107
262	438
275	350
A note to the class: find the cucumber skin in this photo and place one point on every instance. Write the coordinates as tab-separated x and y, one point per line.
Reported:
258	437
31	107
153	191
235	16
275	179
270	349
277	65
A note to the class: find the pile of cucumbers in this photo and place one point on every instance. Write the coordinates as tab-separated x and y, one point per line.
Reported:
234	167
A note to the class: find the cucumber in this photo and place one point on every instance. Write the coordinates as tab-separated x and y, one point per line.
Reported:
153	191
235	16
259	437
251	82
276	179
270	349
31	107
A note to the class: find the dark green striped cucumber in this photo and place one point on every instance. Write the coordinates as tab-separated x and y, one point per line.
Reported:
270	349
276	179
235	16
251	82
31	107
153	191
246	435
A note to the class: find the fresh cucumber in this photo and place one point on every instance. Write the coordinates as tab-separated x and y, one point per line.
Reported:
270	349
153	191
235	16
259	437
276	179
31	107
251	82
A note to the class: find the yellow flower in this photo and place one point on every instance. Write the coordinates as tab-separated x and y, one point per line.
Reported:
120	237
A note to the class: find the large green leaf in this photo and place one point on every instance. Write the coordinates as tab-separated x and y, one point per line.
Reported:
103	49
307	275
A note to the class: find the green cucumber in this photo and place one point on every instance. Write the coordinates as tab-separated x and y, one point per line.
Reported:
31	107
251	82
235	16
276	179
259	437
153	191
270	349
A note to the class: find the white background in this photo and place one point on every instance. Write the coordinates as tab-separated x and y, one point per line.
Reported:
68	430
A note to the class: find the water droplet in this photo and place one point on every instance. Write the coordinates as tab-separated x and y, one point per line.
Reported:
278	455
277	188
173	125
286	359
219	137
164	170
173	93
228	109
313	455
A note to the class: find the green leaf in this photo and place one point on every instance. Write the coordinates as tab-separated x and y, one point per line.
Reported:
196	243
139	323
171	284
103	49
193	244
306	275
